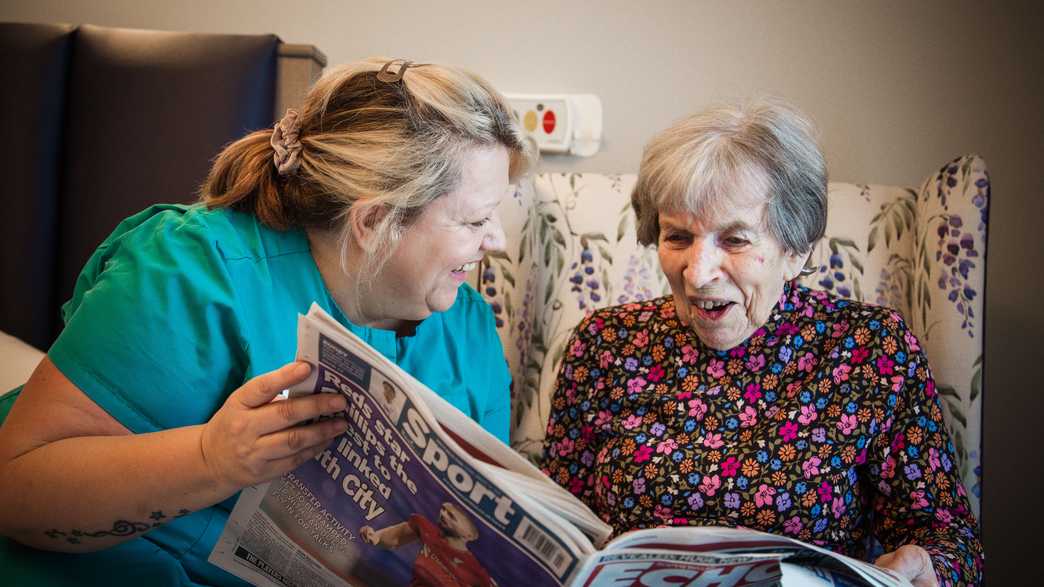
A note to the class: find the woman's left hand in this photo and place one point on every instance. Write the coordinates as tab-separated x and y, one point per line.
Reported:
910	561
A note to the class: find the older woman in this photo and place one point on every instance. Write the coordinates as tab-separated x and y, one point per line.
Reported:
153	408
745	399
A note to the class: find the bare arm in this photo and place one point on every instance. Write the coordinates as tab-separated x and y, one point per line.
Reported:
390	536
68	470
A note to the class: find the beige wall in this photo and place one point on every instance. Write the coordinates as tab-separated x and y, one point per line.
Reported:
897	89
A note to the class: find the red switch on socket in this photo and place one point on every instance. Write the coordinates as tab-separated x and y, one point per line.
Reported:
549	121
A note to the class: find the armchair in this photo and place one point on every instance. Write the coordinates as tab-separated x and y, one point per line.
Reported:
572	248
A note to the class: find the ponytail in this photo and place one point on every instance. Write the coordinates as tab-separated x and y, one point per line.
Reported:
243	178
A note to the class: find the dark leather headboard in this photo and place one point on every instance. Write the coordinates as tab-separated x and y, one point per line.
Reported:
98	123
33	64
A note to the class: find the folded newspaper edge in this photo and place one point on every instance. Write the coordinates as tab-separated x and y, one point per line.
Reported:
306	529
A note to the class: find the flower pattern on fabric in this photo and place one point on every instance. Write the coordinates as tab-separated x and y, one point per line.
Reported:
824	425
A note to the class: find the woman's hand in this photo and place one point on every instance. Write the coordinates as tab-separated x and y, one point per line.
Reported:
253	439
910	561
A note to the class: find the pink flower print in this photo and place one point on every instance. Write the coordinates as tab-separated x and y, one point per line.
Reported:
667	446
641	339
847	424
897	382
808	415
917	500
933	459
689	355
713	441
683	395
729	467
605	359
929	388
788	431
753	393
577	348
944	516
565	447
639	485
642	454
839	329
838	507
859	355
664	513
697	409
655	374
826	492
792	526
603	418
811	467
756	362
748	417
636	384
632	422
888	468
807	362
884	365
807	312
716	368
764	495
710	484
841	373
911	341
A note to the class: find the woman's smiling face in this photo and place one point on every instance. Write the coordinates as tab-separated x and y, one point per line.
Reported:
726	270
447	239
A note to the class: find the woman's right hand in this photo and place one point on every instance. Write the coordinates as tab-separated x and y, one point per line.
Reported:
253	439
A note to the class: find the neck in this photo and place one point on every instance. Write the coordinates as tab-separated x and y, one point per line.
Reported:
346	283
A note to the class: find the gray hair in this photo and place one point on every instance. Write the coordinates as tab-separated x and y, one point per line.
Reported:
696	164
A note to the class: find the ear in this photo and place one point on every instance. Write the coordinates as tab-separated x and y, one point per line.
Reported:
364	220
793	263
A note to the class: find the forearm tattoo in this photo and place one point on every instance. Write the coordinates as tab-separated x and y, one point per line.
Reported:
119	528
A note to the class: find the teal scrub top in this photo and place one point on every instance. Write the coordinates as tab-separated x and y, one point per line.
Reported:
181	305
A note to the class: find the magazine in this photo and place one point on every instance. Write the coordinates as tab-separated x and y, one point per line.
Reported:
416	493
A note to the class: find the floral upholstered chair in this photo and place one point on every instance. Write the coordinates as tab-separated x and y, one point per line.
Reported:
572	248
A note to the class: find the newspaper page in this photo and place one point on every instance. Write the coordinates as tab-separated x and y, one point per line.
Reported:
391	501
710	555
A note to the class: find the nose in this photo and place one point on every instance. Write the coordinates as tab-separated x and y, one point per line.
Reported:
494	239
703	263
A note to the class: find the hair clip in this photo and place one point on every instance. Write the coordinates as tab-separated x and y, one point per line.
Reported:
389	77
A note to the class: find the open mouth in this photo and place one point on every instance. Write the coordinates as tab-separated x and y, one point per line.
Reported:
711	309
466	267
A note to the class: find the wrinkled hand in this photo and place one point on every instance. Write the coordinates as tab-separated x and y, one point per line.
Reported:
253	439
910	561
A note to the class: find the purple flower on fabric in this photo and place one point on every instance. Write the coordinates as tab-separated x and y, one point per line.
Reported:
912	471
732	500
658	429
819	435
783	502
695	500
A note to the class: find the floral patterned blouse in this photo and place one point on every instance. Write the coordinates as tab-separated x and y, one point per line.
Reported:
824	425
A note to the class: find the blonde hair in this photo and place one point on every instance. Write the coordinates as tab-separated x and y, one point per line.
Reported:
384	145
696	164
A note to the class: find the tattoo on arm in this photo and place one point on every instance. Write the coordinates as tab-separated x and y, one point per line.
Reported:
119	528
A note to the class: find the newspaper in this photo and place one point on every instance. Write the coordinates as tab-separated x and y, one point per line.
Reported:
416	493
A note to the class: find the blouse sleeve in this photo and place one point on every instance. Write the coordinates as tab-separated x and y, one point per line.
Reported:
569	446
150	330
920	498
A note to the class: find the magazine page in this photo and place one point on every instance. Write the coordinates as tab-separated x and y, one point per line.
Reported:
392	501
721	540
